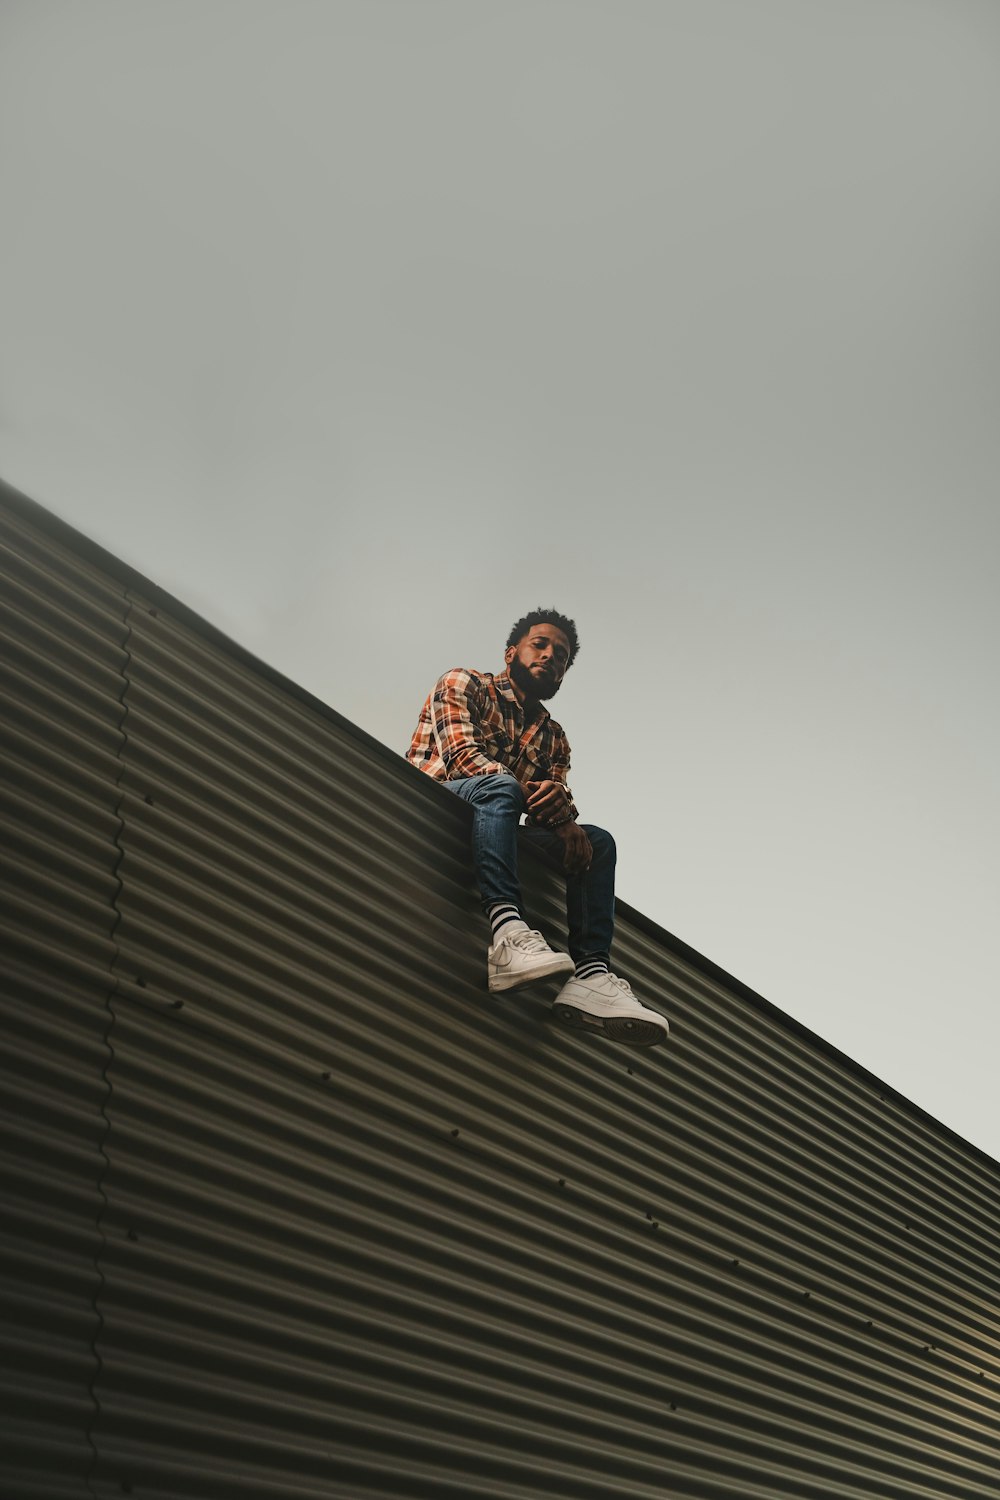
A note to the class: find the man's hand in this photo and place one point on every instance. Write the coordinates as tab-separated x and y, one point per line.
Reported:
577	848
546	800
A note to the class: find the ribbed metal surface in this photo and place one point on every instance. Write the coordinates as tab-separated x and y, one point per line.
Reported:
61	661
371	1233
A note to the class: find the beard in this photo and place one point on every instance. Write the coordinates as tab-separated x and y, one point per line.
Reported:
532	686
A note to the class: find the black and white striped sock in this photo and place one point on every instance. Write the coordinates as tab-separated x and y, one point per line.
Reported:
501	915
591	967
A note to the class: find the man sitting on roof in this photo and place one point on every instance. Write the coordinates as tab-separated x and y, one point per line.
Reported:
489	740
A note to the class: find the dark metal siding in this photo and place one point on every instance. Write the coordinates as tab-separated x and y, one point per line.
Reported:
62	631
371	1233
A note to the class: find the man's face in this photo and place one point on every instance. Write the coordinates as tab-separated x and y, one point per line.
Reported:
537	664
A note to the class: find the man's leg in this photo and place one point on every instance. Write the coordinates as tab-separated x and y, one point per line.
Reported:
517	955
590	896
497	802
594	996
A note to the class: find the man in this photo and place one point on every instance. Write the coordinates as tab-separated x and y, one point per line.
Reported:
489	739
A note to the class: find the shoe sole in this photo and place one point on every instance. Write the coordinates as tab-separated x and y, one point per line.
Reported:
632	1031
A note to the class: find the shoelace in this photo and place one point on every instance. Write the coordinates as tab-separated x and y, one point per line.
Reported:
622	984
530	941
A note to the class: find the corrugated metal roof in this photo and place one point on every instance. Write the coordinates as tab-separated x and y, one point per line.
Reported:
325	1219
60	669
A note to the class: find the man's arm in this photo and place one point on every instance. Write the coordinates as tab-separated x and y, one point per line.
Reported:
577	848
550	803
456	724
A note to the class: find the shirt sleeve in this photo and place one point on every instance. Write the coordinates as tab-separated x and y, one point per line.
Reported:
456	709
559	771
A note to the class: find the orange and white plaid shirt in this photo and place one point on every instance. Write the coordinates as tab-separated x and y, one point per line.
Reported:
472	724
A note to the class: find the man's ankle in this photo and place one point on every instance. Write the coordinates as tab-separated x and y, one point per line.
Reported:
505	919
592	966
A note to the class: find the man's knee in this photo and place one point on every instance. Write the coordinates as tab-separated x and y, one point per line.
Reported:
601	842
497	790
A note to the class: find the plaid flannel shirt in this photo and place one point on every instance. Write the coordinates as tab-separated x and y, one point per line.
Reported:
472	724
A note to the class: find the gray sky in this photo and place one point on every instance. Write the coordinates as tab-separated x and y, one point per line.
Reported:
364	327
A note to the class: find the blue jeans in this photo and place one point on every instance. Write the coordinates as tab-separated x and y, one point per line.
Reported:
497	801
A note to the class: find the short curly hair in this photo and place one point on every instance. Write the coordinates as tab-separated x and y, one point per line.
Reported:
541	616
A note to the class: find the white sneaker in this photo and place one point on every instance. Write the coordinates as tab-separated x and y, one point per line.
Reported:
520	956
607	1003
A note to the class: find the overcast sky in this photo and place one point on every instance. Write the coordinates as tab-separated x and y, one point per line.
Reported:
364	327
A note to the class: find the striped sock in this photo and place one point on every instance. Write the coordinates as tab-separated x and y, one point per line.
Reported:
501	915
591	967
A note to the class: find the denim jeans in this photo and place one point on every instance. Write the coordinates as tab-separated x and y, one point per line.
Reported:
497	801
